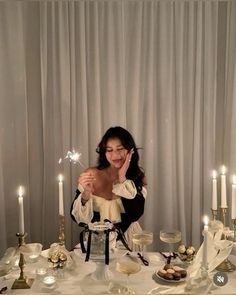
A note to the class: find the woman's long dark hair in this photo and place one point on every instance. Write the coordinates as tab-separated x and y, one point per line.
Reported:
134	172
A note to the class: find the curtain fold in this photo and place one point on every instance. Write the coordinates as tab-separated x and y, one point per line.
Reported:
165	70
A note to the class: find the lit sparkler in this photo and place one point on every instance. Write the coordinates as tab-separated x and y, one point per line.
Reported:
74	157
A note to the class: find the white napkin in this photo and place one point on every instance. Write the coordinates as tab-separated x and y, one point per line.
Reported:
8	255
217	251
168	289
7	260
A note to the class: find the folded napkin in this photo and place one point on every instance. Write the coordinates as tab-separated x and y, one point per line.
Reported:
7	261
8	255
218	250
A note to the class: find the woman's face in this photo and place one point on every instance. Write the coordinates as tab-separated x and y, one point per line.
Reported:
115	152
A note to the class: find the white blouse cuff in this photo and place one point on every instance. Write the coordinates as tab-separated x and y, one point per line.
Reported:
125	189
82	213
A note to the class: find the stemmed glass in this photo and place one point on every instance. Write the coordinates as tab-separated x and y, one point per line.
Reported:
142	239
127	265
170	237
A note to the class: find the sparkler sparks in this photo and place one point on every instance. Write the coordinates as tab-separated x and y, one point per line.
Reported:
74	157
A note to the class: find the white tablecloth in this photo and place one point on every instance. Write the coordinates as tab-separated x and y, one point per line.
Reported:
77	279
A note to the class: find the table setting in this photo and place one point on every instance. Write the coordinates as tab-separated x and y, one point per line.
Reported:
143	279
103	264
78	274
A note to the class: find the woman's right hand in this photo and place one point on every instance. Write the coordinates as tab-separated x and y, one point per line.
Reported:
86	180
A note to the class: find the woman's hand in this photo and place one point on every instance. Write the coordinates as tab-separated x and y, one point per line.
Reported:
86	180
122	171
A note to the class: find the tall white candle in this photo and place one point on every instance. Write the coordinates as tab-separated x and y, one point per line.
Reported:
21	211
61	201
214	191
205	243
233	205
223	188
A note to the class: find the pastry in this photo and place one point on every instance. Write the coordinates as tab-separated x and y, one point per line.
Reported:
177	268
177	276
168	276
170	270
162	273
181	249
183	273
168	266
186	253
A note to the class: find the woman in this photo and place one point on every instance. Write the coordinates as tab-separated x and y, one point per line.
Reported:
115	188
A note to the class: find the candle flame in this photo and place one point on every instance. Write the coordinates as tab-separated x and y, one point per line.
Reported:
223	170
60	177
234	179
206	220
214	174
20	191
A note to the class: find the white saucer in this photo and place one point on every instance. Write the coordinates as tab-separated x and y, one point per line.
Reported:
157	276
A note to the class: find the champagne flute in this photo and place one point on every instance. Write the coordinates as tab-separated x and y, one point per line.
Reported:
142	239
170	237
127	265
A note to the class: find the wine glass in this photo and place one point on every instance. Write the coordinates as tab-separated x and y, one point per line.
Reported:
142	239
127	265
170	237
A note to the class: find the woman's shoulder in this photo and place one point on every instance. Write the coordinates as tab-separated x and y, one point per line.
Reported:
95	171
92	169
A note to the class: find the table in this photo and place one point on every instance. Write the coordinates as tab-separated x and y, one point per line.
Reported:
77	279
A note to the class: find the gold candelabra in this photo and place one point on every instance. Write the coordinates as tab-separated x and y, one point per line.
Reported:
214	214
22	282
223	214
234	228
21	239
61	230
226	265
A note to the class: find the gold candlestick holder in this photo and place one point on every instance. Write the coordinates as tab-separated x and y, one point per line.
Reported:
223	214
226	265
234	228
61	230
214	214
22	282
21	238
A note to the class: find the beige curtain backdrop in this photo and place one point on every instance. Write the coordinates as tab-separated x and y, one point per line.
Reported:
165	70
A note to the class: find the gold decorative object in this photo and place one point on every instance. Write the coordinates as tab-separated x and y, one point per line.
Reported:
223	213
61	230
21	239
58	259
234	228
22	282
226	265
214	214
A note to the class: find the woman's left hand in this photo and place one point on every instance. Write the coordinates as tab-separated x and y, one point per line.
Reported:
125	166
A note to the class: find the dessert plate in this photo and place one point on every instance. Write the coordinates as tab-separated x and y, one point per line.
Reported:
157	277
